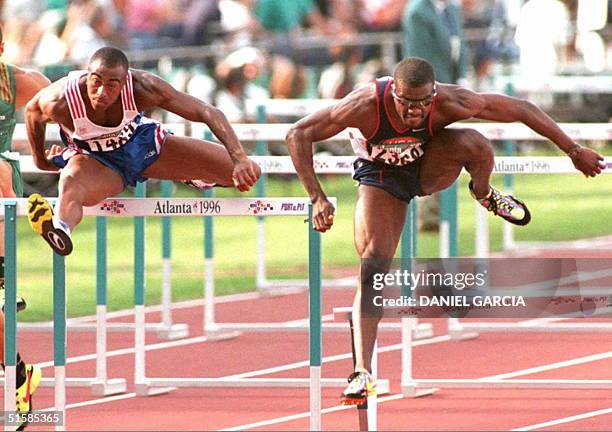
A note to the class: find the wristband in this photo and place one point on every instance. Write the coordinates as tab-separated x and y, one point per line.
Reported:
574	150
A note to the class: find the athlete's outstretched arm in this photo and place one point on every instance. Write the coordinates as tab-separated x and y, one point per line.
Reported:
319	126
501	108
155	92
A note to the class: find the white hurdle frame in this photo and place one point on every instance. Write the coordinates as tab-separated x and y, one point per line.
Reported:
147	386
99	384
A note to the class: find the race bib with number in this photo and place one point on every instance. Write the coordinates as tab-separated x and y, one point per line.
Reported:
397	151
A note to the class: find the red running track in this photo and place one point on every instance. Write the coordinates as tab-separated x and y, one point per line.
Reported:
287	409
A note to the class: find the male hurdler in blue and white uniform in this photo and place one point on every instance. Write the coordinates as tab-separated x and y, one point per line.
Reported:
111	145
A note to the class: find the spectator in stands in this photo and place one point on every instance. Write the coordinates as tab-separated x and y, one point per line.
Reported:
494	41
238	21
433	30
235	75
21	29
281	19
88	28
50	49
542	41
144	19
382	15
338	79
200	23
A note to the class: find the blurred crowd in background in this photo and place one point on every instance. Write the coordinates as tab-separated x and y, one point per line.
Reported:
227	51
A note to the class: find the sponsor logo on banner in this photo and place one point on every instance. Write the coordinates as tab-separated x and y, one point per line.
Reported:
113	207
320	164
296	207
259	207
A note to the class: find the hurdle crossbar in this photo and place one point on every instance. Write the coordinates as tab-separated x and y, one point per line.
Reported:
222	207
141	207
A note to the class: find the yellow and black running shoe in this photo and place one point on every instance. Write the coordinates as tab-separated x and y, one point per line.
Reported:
40	215
25	391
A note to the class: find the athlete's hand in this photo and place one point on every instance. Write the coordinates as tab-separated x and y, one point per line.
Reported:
245	175
323	214
43	162
588	161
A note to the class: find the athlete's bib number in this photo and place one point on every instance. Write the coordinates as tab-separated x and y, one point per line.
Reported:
397	155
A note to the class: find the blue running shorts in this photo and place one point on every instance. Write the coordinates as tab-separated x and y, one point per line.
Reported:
129	160
401	182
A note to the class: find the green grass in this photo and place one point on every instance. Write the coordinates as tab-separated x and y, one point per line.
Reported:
563	207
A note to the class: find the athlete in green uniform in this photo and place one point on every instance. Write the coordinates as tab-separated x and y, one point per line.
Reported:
17	87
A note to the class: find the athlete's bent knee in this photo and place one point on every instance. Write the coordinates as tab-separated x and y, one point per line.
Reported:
474	145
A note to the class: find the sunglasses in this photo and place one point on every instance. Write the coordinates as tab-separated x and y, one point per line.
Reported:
415	103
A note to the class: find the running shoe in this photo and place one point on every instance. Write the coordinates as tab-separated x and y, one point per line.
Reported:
507	207
25	391
56	233
361	385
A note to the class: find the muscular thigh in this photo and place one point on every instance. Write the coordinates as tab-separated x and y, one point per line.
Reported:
184	158
444	157
94	179
379	220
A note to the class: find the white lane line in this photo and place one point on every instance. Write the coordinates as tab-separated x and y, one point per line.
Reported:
100	401
266	371
255	373
492	377
565	420
551	366
307	414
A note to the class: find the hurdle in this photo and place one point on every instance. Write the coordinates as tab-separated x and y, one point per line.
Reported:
230	207
11	209
267	132
100	384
